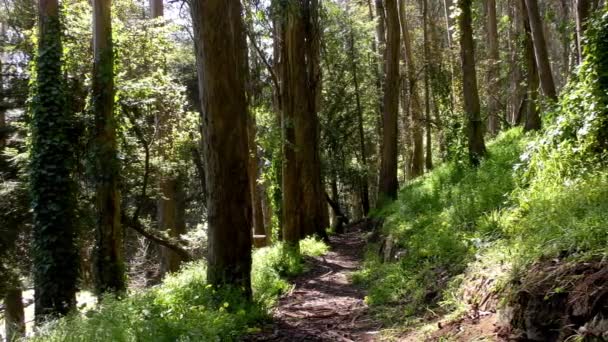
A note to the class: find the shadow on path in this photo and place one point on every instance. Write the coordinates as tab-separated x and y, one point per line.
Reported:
324	305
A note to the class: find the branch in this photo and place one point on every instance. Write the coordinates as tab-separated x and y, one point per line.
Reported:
273	76
172	244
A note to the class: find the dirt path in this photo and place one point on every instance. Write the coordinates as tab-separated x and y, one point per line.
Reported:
324	305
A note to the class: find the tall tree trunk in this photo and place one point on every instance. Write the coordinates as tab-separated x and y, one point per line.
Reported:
477	148
3	133
156	8
110	268
388	172
364	186
531	116
14	314
219	37
417	161
377	60
428	161
54	234
305	212
494	108
583	9
540	50
171	188
259	230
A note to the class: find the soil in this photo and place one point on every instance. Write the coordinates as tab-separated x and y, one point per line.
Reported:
324	305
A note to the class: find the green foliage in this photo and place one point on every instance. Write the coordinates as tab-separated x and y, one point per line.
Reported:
438	222
52	189
185	307
551	202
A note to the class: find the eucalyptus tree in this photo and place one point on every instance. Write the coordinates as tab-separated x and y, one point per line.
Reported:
476	144
219	37
540	50
109	258
388	172
416	166
54	250
494	107
304	209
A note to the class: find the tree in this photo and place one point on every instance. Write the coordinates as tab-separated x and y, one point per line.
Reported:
157	9
364	191
428	161
304	209
220	51
476	144
388	171
54	251
109	263
494	107
540	50
583	7
416	166
531	118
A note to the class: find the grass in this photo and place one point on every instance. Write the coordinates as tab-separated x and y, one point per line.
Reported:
185	308
439	222
458	222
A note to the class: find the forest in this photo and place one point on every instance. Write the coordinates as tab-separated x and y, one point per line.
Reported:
303	170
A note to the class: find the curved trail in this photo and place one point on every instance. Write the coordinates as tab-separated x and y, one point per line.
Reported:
324	305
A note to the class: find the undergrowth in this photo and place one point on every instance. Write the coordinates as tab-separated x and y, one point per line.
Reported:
185	308
537	196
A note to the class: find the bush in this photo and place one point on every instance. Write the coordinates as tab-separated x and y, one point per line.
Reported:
185	308
439	222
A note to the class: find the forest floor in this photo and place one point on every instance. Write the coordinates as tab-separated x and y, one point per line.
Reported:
324	305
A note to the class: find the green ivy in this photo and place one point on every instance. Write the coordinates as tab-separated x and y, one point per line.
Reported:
52	189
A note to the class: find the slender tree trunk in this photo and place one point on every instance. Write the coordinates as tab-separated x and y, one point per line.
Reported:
377	65
477	148
583	9
531	116
3	134
259	230
494	109
417	161
156	8
364	191
14	315
110	268
170	186
55	257
388	173
540	50
305	212
427	90
220	41
448	24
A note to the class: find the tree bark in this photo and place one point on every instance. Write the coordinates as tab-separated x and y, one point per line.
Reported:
416	166
110	268
428	161
388	172
220	41
156	8
540	50
583	9
304	212
494	108
55	257
531	116
14	315
476	144
256	197
364	184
